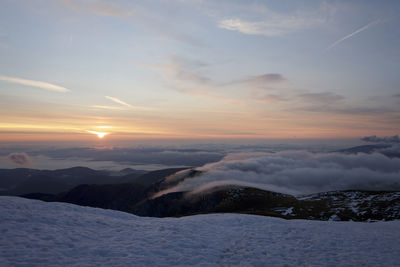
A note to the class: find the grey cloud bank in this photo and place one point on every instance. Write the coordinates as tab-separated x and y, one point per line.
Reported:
21	159
296	172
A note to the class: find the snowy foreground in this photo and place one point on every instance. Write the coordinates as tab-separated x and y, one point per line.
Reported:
40	233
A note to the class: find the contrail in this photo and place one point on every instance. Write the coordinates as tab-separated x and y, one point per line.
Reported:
38	84
119	101
353	33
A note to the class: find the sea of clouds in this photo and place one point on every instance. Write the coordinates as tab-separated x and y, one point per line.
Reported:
295	172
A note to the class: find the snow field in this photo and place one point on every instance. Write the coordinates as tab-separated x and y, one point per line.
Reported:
37	233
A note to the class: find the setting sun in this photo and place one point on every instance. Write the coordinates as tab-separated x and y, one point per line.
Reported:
99	134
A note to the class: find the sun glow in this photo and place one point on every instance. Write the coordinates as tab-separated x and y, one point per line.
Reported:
99	134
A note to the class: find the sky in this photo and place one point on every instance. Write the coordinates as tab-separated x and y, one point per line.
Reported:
76	70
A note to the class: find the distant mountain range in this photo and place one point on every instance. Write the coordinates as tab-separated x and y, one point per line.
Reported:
20	181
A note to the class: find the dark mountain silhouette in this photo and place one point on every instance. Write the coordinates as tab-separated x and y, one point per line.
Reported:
9	178
25	181
122	197
115	196
127	171
39	183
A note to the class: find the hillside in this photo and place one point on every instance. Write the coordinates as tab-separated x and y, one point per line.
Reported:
363	206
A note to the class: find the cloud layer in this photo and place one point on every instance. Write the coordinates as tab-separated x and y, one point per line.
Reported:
296	172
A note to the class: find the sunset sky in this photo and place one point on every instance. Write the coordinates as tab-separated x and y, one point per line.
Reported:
70	69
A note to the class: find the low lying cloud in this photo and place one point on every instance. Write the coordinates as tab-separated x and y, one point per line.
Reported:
386	139
295	172
20	159
164	157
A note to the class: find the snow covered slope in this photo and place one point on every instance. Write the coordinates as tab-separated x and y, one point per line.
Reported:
39	233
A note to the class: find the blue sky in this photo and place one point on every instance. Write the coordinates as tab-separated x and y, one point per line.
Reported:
199	69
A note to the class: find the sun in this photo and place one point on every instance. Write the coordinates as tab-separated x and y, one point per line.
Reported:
100	135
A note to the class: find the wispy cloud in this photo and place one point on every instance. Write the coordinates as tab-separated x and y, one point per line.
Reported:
271	98
250	27
353	33
99	7
32	83
341	109
118	101
309	100
261	80
186	76
108	107
188	70
122	105
323	98
277	24
194	77
138	12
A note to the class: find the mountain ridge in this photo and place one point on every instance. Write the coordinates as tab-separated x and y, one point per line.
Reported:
138	199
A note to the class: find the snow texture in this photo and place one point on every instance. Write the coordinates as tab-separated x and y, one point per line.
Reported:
37	233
